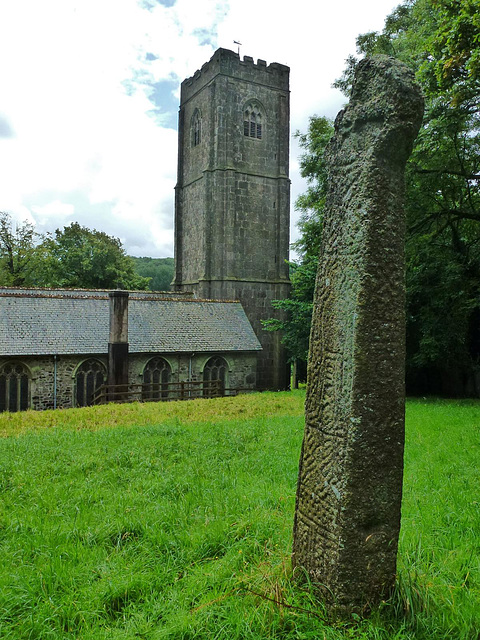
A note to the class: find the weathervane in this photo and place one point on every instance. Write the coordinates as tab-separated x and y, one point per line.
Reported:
239	45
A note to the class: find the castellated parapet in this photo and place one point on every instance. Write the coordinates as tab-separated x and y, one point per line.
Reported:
232	210
228	63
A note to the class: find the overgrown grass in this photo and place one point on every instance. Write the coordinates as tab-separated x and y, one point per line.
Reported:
243	407
177	524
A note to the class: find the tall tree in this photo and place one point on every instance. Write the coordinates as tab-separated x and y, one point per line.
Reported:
296	327
456	49
18	252
81	257
440	40
160	271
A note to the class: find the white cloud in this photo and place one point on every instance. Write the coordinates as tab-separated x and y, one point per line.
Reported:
82	139
56	208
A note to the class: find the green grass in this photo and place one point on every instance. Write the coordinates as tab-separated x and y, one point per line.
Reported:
439	561
174	521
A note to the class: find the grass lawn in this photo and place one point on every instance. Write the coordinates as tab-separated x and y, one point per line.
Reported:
174	521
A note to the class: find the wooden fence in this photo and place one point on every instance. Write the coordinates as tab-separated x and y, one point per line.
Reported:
161	391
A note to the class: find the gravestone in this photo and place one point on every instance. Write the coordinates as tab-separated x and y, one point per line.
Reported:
347	516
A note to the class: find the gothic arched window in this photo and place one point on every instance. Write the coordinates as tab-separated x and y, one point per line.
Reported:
215	369
14	387
90	376
196	128
156	377
252	121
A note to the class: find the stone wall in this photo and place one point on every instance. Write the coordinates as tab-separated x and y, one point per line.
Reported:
45	371
256	297
241	367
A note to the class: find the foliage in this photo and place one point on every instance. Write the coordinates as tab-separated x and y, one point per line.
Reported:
174	520
72	257
90	259
296	327
19	252
439	40
456	48
312	168
159	270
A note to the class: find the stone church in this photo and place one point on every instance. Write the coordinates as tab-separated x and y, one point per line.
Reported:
232	210
231	251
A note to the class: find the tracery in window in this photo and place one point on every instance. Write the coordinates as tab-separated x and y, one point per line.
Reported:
252	121
90	376
14	387
215	369
156	377
196	128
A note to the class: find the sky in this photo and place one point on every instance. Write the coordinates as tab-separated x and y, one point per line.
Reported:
89	95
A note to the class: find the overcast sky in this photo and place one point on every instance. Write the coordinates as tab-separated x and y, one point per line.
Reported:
89	94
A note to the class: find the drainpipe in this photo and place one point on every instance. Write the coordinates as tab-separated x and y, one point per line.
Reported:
118	341
54	381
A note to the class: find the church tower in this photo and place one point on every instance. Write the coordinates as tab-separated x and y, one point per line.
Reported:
232	206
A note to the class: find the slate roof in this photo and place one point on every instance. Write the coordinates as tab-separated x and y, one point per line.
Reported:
55	322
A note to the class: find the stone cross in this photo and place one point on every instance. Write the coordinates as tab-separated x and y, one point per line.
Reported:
349	493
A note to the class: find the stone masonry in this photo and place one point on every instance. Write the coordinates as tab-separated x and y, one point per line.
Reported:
349	492
55	344
232	195
52	378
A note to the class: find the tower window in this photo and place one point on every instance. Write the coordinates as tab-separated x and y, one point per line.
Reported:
196	129
252	122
